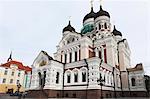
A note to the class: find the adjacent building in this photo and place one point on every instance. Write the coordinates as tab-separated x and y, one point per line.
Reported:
89	64
13	73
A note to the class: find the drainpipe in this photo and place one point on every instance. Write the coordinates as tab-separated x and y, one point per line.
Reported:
87	78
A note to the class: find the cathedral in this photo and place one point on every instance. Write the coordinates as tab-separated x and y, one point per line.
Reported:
92	63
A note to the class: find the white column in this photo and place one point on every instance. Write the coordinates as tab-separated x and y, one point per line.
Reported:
68	56
78	54
63	57
102	54
97	52
73	56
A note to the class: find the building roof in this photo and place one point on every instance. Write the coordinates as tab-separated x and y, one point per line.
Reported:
19	64
69	28
116	32
138	67
101	12
89	15
49	57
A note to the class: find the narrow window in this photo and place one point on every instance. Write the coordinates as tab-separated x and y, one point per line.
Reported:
76	77
4	80
105	25
57	78
105	56
70	57
17	82
61	58
100	55
19	74
133	81
99	26
11	81
76	55
79	54
83	76
65	58
68	78
5	73
12	74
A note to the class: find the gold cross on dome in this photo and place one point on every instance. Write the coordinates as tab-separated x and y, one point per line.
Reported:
100	2
69	18
91	1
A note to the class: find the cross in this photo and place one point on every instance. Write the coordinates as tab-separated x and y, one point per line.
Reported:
91	3
69	18
101	2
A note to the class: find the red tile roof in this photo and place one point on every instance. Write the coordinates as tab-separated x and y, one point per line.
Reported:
19	64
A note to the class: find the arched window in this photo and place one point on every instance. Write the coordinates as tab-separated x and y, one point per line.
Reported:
76	77
76	56
65	58
99	26
40	77
133	81
84	76
105	25
68	78
57	78
70	58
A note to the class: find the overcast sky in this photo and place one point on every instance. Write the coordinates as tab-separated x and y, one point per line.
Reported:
29	26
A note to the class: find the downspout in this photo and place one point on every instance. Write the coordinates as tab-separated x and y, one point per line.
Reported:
119	68
87	78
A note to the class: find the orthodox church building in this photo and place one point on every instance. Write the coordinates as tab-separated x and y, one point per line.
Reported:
89	64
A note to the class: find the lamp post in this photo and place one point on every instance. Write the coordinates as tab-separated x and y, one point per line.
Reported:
101	84
19	86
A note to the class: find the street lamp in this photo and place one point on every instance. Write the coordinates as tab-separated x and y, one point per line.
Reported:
101	81
18	86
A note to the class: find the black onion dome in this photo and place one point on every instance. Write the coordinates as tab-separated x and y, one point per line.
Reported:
69	28
89	15
101	12
116	32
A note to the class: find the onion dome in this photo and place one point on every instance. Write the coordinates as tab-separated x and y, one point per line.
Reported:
69	28
116	32
101	12
89	15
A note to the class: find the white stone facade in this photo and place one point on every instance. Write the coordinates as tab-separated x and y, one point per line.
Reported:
80	59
